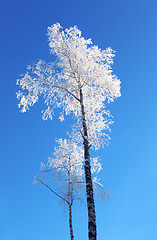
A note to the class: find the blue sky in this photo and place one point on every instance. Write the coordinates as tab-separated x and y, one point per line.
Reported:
30	211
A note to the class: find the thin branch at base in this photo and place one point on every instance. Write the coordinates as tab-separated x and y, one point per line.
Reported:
52	190
82	135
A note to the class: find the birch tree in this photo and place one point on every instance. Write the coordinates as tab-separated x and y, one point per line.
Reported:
65	168
79	82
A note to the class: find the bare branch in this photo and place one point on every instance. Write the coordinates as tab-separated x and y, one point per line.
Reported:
52	190
82	135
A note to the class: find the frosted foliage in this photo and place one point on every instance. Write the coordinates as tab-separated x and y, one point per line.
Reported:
69	156
67	167
79	66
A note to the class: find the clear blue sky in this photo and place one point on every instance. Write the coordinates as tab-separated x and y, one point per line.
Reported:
29	211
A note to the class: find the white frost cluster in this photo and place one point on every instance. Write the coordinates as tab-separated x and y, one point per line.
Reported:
67	166
69	156
79	65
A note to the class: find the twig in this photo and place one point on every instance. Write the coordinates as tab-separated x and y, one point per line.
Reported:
52	190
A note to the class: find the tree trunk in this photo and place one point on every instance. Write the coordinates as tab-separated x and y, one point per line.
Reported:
88	177
70	223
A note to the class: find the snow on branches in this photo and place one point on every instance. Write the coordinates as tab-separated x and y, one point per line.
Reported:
65	167
79	66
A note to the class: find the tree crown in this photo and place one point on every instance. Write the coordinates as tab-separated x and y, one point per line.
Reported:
79	66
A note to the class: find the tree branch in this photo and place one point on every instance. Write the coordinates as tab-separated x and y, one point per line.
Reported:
52	190
61	87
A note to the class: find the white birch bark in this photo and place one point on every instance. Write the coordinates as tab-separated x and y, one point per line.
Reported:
89	185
